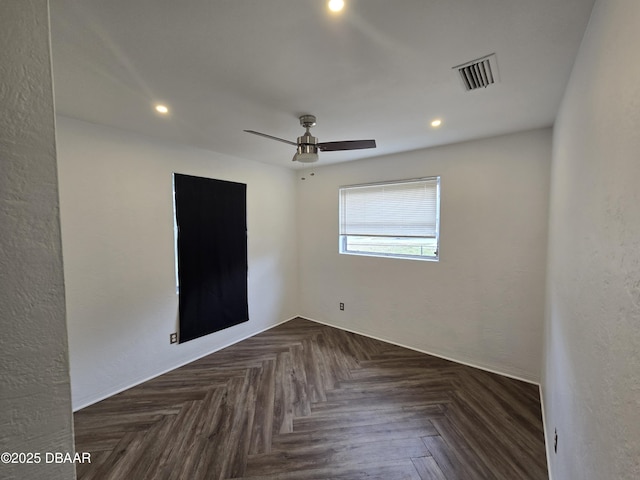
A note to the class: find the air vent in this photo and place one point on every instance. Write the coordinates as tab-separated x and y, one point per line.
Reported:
479	73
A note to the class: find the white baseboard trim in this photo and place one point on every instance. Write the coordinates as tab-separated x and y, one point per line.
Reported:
197	357
547	435
444	357
182	364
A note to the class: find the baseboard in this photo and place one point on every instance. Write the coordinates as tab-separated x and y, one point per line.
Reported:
547	436
197	357
444	357
182	364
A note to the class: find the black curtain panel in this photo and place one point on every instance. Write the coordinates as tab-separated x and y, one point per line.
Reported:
211	216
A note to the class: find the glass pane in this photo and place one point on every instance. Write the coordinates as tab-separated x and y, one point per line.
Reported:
392	246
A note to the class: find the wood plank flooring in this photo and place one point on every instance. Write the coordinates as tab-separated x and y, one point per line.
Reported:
306	401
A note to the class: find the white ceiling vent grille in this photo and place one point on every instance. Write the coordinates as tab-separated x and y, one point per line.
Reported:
479	73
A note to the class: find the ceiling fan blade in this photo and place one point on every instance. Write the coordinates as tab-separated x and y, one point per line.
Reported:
346	145
272	137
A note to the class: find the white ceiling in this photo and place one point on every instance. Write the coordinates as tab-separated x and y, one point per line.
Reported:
382	69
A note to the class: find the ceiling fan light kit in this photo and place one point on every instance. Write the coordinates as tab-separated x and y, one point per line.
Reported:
307	145
306	154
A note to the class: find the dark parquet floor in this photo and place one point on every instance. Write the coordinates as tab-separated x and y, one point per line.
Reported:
306	401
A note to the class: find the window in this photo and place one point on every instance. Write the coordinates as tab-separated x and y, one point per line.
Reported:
393	219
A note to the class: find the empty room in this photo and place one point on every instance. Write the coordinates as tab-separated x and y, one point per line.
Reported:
312	239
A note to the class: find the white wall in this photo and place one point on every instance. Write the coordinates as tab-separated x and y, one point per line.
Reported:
591	381
35	398
117	232
483	302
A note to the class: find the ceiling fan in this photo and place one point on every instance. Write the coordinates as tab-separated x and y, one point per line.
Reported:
308	145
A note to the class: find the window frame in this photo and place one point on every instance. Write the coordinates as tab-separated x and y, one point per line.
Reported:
343	247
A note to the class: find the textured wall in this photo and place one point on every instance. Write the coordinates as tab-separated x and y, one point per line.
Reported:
117	233
35	407
483	302
592	371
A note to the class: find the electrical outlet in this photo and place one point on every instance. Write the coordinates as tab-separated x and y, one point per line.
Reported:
173	338
555	441
341	306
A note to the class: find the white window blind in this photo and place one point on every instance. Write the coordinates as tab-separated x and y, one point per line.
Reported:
406	208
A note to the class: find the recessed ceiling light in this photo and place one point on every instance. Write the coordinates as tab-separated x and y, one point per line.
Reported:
163	109
436	123
336	5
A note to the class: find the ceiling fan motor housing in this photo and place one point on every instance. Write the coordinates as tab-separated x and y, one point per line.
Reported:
307	141
307	151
